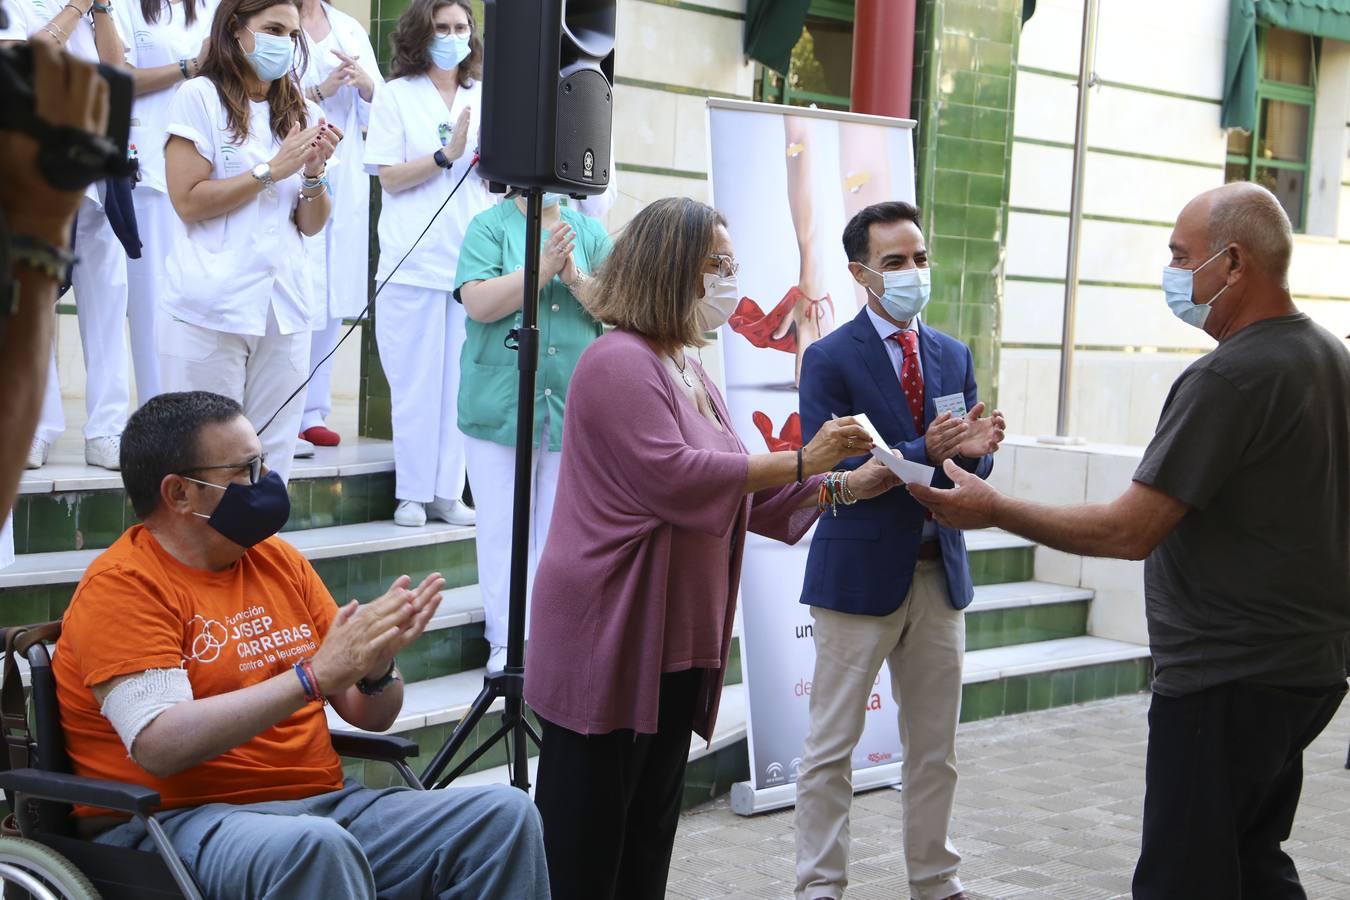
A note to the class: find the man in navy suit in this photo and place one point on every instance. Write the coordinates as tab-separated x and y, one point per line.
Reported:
885	582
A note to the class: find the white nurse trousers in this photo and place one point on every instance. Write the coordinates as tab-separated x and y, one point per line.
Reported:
420	333
100	281
146	281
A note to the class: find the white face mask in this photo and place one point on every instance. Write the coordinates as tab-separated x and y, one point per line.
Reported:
720	296
1178	284
906	292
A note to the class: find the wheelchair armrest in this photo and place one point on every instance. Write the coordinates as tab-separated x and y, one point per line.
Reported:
115	795
378	747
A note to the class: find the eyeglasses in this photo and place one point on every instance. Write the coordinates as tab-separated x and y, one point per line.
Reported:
254	466
459	31
726	265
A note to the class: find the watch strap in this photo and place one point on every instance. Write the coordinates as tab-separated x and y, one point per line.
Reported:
441	159
370	688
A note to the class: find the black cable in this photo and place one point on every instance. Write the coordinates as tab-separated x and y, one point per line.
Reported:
371	303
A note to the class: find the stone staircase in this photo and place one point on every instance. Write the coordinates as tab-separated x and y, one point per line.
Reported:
1027	641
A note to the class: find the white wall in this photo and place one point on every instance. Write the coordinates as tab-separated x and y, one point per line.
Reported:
1134	346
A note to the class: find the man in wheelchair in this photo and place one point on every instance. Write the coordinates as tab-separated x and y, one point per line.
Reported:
196	658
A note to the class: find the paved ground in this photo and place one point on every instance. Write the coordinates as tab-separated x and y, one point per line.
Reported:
1048	807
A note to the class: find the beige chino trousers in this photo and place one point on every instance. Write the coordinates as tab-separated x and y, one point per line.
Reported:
924	642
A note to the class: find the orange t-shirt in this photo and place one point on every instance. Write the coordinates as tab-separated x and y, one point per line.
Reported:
138	608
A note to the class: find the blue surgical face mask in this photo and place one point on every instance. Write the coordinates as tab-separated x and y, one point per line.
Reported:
447	51
551	199
273	55
249	513
1178	284
905	292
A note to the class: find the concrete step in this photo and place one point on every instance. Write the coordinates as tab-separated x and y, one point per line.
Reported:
1000	681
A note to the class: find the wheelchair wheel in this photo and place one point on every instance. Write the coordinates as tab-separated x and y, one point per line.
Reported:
32	870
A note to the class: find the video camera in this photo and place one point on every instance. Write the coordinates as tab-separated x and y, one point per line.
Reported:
68	158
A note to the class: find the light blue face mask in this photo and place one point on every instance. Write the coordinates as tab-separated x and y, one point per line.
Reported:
551	199
1178	285
905	292
272	56
447	51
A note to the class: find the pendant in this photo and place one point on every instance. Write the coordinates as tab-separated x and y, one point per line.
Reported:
689	382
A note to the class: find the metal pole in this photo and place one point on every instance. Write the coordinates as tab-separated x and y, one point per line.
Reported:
1086	78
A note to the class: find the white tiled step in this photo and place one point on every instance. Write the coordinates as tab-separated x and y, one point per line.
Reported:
447	698
1047	656
1015	594
316	543
995	539
66	471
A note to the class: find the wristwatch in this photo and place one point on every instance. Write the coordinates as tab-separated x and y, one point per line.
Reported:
441	160
263	173
371	688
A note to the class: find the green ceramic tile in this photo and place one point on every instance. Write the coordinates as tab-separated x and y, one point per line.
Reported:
978	318
951	186
949	218
99	518
299	491
1015	695
981	255
1016	629
1038	691
366	579
1061	688
333	572
994	57
432	655
987	190
984	221
378	414
354	501
473	651
381	493
981	700
992	124
24	605
325	501
51	523
957	120
734	675
994	91
58	598
1085	684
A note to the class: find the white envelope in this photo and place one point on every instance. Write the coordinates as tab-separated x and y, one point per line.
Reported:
908	472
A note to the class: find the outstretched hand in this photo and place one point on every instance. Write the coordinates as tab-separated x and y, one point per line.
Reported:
970	504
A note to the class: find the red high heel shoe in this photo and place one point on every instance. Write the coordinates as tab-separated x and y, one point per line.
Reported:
757	327
790	438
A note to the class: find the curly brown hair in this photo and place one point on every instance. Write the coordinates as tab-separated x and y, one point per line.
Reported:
415	28
228	68
650	281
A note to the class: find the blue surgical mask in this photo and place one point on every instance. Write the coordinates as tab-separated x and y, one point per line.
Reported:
1178	285
551	199
249	514
905	292
447	51
273	55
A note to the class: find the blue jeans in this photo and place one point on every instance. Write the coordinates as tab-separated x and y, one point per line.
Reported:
360	843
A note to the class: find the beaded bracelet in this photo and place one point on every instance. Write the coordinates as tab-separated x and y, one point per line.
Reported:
834	490
309	682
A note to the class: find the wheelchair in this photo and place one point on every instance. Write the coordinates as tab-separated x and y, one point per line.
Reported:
48	860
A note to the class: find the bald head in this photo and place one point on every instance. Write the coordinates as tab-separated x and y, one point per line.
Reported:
1248	215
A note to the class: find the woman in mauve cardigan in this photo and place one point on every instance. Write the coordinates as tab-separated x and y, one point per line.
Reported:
636	590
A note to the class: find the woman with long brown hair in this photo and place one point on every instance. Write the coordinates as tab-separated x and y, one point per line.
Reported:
636	591
423	136
245	166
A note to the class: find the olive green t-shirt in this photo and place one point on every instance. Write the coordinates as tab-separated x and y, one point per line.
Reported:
494	245
1254	584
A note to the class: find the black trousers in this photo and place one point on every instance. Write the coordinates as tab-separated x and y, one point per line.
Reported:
611	802
1223	775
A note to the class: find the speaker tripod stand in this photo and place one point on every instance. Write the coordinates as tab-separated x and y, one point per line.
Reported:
509	684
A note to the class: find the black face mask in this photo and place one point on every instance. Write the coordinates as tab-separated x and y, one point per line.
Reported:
250	513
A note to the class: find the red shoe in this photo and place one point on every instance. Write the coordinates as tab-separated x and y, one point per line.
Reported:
321	436
752	324
790	438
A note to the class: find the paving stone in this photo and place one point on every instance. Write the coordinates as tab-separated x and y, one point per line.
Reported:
1048	807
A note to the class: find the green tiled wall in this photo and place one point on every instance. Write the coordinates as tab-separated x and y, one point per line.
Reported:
1002	566
429	741
93	520
964	74
1043	690
1025	625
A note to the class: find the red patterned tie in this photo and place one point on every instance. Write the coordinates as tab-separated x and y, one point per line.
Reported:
911	379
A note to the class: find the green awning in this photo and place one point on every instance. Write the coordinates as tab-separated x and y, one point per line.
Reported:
772	29
1321	18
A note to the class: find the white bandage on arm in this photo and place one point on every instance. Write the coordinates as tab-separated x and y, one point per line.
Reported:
136	702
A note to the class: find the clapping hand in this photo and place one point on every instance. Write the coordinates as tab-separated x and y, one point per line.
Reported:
364	639
944	437
321	149
348	72
982	436
557	253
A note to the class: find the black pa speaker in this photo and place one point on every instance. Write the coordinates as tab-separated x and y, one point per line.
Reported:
548	104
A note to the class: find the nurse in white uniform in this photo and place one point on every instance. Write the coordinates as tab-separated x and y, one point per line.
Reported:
86	30
423	136
245	163
166	41
342	78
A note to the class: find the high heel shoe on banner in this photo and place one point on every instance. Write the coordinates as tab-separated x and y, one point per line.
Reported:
790	438
751	323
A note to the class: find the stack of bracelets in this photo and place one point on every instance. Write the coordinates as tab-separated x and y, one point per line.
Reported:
834	491
304	670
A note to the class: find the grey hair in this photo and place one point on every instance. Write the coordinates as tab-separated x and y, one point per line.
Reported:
1250	216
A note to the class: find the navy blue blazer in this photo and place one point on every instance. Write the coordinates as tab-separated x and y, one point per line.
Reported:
862	560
